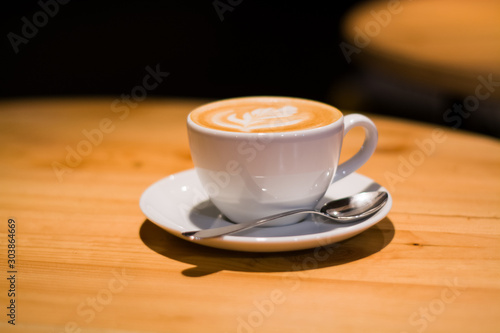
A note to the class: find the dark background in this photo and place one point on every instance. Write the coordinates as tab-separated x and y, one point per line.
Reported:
279	47
102	48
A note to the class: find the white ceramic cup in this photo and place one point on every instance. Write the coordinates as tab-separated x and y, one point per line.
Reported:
252	175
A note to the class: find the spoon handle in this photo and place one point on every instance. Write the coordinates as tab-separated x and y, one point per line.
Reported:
221	231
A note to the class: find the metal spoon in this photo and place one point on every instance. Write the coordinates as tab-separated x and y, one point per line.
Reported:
343	210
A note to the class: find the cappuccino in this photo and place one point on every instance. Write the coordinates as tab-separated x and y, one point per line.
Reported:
265	114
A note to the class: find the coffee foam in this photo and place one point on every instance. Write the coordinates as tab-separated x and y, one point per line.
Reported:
265	114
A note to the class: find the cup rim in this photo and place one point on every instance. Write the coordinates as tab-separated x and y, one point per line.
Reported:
295	133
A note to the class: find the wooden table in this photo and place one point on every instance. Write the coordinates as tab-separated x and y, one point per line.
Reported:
87	260
447	44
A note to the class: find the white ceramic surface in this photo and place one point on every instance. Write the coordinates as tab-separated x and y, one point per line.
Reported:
178	203
250	175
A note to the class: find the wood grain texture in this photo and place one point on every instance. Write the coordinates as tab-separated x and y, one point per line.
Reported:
89	261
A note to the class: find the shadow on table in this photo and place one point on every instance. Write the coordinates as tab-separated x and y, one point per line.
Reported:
207	260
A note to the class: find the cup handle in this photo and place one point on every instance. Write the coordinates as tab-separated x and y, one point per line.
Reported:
367	149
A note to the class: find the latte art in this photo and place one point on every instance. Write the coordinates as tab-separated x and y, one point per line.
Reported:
264	114
259	119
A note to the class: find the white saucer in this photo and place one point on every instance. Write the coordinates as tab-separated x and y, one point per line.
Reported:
178	203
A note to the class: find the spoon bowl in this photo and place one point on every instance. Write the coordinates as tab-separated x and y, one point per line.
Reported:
355	207
345	210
